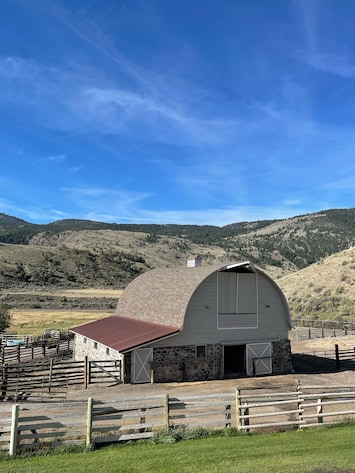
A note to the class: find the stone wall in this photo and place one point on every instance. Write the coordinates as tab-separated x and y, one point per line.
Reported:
84	346
182	364
282	357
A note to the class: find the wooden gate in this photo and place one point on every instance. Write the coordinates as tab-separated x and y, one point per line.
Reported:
258	358
141	365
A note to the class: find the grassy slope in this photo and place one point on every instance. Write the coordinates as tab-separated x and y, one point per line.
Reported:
325	449
324	290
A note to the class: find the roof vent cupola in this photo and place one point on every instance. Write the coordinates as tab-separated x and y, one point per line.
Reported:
193	261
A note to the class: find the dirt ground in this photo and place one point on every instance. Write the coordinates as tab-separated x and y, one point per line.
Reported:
198	388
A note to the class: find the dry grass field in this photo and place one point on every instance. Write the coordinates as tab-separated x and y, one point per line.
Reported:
29	321
35	322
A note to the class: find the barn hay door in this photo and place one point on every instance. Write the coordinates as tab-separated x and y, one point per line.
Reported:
258	358
141	365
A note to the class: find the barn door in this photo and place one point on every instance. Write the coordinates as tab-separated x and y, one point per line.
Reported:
141	365
258	357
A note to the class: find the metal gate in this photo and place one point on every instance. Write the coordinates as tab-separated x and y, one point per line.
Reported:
141	365
258	358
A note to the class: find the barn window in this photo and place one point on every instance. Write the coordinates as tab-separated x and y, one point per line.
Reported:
85	339
200	351
107	351
95	345
237	300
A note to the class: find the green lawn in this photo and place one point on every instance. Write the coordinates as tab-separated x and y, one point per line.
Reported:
317	450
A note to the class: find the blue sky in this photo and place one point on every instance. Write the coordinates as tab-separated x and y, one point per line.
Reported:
166	111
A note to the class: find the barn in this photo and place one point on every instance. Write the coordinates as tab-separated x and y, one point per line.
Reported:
195	322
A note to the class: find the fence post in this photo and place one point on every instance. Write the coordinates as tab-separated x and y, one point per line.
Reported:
299	403
228	416
4	380
85	372
337	360
142	419
246	413
237	408
89	423
320	411
50	374
166	412
123	373
14	430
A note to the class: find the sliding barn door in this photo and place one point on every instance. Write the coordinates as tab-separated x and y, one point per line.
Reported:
141	365
258	358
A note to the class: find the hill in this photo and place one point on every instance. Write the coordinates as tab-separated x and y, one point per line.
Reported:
289	244
86	254
324	290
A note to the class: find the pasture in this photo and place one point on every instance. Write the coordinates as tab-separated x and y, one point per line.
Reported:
328	450
58	309
36	321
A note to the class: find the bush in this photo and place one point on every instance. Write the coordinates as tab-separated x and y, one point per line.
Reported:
5	316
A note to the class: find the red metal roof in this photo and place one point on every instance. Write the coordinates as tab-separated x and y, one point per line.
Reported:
123	333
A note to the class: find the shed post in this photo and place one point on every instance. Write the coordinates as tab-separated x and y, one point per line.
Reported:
166	412
89	423
14	430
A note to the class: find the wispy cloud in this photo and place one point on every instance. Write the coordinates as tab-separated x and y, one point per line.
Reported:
56	158
323	55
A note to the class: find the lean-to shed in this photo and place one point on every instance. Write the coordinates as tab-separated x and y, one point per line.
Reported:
197	322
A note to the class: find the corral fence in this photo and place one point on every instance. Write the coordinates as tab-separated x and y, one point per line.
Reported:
48	378
21	353
303	406
308	329
324	360
27	426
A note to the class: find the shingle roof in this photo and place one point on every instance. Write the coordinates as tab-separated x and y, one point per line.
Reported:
122	333
154	305
162	295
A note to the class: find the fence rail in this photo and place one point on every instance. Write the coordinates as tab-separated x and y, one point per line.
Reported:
20	354
49	378
92	422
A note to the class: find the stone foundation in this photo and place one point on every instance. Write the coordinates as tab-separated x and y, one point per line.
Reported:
176	364
282	357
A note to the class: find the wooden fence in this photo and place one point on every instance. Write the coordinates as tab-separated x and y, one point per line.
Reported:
48	378
324	360
93	422
19	354
303	406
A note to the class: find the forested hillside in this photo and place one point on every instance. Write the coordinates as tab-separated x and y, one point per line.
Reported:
289	244
85	254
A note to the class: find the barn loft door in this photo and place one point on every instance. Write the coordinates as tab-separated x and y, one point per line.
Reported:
258	357
141	365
